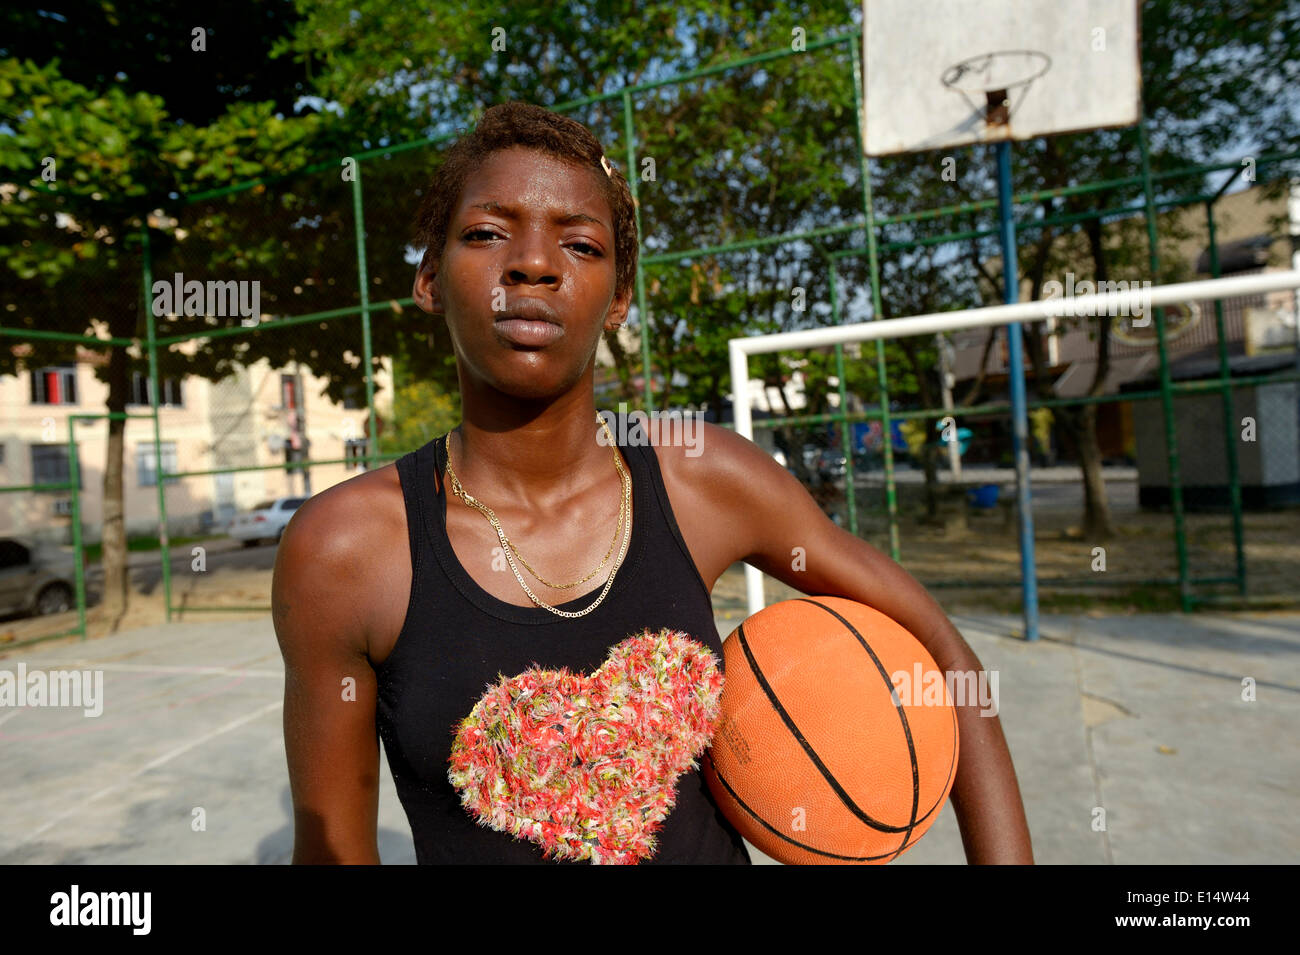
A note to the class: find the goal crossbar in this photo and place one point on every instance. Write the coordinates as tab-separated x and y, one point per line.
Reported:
1128	302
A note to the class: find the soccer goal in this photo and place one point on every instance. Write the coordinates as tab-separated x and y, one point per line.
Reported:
1134	301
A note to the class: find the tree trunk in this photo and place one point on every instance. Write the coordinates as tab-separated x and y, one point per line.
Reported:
1096	509
931	475
792	438
929	457
116	583
977	386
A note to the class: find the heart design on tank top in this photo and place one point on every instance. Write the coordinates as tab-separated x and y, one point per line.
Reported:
587	766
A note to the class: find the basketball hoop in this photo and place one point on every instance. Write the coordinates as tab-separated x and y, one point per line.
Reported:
994	77
1020	68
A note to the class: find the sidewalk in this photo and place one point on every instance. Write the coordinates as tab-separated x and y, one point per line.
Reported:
150	558
984	474
1141	716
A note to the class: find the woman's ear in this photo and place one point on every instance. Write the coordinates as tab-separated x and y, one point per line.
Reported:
425	288
618	309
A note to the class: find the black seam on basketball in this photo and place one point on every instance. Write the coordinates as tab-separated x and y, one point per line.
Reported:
907	729
952	765
778	833
812	753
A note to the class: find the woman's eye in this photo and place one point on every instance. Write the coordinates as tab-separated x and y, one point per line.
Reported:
479	233
590	249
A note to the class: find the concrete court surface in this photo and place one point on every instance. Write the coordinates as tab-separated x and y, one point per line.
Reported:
1141	716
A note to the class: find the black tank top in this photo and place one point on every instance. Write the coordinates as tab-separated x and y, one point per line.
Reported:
457	639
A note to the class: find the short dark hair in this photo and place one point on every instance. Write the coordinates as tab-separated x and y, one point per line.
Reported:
508	125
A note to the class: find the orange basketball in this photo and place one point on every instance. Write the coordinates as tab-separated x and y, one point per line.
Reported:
824	751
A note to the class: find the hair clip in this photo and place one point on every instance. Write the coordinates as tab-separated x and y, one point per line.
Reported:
607	166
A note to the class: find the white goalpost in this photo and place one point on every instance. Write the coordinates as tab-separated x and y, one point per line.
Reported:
1133	301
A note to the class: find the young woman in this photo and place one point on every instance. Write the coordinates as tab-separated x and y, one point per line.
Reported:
399	585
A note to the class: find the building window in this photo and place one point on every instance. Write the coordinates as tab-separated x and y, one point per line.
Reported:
146	469
50	465
141	391
354	451
291	404
55	385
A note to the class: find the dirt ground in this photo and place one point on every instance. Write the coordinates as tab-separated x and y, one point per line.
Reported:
231	588
965	560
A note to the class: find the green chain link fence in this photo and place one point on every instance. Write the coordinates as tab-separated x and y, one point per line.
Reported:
302	400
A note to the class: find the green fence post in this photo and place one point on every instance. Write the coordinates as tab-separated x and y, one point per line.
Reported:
629	142
74	472
155	391
363	282
1229	415
877	310
1166	382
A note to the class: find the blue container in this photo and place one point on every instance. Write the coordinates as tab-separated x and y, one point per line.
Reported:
984	496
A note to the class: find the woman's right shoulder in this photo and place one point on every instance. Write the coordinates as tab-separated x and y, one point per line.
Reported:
345	554
355	513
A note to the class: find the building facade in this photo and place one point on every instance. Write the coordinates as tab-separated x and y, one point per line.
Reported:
258	419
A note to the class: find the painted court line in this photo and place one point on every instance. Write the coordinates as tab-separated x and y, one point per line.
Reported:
162	668
154	764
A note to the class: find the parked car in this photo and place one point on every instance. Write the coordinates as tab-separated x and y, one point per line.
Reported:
266	521
31	582
831	464
864	461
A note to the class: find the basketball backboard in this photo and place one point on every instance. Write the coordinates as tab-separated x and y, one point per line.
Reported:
943	73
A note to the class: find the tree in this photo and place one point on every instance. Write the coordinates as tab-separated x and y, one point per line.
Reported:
145	114
719	169
141	111
421	411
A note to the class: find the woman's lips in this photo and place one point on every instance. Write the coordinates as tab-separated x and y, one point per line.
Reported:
528	332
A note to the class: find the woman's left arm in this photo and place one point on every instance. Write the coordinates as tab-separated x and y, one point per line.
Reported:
770	514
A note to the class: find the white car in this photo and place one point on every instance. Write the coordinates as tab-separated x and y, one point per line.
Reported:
266	521
33	582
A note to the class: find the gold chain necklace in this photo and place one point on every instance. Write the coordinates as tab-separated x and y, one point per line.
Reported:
618	532
618	528
510	550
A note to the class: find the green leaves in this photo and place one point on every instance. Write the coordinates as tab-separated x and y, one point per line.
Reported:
420	411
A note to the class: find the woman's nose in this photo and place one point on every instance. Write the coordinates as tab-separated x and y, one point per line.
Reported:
531	260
